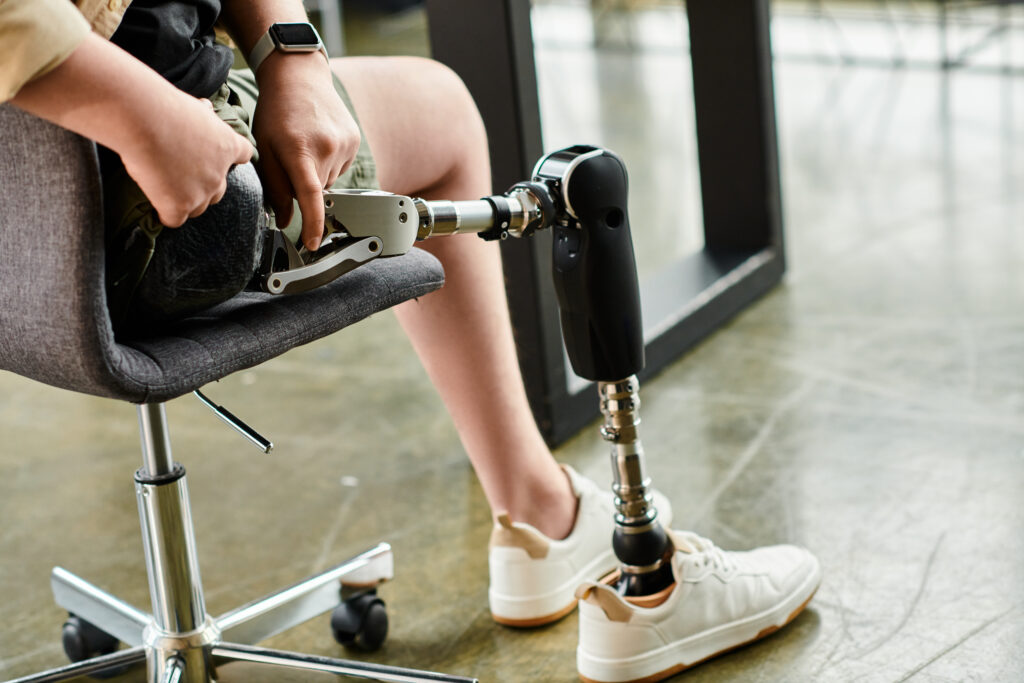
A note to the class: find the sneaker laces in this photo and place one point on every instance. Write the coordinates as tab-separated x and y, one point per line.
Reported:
710	554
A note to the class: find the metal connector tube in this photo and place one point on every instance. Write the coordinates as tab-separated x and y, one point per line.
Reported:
620	402
443	217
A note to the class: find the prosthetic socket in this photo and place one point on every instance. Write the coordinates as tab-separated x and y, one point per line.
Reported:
580	193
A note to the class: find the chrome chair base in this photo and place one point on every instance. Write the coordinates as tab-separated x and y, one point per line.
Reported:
230	637
179	641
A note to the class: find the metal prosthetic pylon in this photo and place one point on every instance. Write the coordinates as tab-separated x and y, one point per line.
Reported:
640	542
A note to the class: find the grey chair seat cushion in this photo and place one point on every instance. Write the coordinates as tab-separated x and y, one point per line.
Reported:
54	323
254	327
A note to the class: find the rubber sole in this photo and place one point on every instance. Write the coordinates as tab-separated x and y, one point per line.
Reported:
534	622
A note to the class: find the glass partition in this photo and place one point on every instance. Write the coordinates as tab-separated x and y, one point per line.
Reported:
617	74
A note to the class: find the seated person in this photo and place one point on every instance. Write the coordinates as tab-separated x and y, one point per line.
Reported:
149	83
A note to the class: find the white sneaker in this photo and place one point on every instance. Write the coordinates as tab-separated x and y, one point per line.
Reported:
720	600
534	578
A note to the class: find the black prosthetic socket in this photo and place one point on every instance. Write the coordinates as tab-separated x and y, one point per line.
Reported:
593	265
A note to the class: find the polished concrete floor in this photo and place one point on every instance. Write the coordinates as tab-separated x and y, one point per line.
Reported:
869	408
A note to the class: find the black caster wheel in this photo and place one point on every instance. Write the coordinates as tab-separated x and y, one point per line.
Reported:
361	622
84	641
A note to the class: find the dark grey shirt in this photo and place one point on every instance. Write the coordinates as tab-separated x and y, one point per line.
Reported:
176	39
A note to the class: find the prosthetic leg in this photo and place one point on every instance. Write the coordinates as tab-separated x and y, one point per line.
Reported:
580	193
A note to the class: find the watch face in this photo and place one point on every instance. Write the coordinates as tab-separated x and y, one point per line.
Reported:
295	35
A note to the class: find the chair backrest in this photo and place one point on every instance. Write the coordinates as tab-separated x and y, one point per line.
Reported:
54	325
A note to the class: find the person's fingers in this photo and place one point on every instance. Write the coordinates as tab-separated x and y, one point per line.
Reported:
331	178
199	210
172	218
243	149
221	191
337	173
277	187
310	195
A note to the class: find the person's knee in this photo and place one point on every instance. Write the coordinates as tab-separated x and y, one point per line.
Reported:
457	123
421	121
436	75
453	96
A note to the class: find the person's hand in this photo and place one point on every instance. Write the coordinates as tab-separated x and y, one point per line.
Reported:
306	137
172	144
181	163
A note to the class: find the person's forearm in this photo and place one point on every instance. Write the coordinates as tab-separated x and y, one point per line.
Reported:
102	93
248	20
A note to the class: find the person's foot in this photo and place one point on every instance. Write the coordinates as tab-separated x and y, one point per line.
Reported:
534	578
719	601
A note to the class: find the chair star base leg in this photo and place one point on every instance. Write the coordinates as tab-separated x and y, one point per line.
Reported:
123	658
99	608
311	597
229	652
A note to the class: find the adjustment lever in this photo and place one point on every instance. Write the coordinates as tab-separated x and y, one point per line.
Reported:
260	441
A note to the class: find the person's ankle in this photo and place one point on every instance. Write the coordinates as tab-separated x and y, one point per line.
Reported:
551	508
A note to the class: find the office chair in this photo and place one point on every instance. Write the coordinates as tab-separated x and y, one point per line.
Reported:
55	328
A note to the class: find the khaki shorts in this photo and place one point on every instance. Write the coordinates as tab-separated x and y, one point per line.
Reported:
140	253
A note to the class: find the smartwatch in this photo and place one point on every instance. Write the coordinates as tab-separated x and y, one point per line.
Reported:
294	37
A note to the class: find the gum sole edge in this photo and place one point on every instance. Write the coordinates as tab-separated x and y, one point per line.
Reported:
534	622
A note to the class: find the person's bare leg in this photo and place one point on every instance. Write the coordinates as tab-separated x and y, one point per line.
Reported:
428	141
